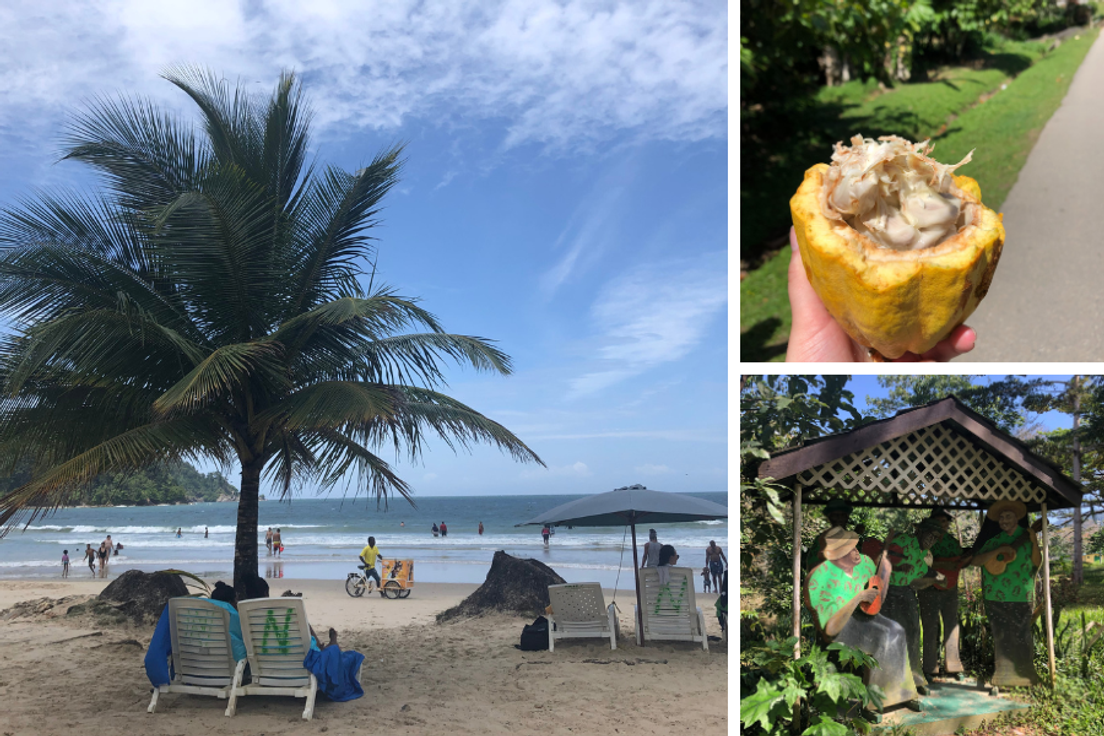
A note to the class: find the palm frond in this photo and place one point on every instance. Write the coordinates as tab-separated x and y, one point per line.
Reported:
339	453
173	439
88	346
225	370
333	404
457	425
331	233
146	154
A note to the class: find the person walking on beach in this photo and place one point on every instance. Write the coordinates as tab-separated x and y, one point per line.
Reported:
713	557
545	532
277	542
268	541
368	556
101	555
65	563
90	555
651	550
481	528
444	530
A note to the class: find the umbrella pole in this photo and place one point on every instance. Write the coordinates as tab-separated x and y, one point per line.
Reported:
636	579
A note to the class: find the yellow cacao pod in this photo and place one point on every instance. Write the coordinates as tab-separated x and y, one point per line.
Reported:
895	301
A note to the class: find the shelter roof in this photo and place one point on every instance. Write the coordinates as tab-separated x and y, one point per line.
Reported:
938	454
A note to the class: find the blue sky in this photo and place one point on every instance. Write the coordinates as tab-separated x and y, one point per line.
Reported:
565	194
866	387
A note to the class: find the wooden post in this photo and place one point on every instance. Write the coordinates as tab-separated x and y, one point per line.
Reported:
639	618
797	570
1046	597
795	724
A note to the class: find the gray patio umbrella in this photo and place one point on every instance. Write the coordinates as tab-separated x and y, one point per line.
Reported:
631	505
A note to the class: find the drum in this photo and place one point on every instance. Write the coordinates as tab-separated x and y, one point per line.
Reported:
875	605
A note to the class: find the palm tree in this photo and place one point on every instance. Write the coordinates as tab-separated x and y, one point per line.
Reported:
209	303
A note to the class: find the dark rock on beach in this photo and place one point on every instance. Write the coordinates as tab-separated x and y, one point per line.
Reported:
141	596
513	585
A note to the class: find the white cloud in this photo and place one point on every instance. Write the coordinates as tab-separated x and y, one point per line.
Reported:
653	314
575	470
650	470
562	75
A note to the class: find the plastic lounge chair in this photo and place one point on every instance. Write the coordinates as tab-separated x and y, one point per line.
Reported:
670	612
579	612
202	656
277	638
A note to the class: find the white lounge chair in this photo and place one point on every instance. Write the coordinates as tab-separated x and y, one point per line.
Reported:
277	638
670	612
579	611
202	656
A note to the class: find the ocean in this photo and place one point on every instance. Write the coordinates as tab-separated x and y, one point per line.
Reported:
323	536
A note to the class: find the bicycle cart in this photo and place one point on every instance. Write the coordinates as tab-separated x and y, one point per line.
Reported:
398	579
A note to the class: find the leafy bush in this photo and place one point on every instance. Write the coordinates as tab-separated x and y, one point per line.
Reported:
824	681
975	640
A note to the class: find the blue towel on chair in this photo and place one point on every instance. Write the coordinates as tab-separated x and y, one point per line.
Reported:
158	669
336	672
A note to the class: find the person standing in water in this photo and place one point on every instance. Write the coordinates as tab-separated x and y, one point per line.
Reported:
90	555
444	530
436	531
651	550
268	541
481	528
65	563
545	532
277	542
206	532
179	533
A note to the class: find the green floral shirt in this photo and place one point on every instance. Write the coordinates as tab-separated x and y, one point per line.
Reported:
913	555
830	588
1017	583
947	546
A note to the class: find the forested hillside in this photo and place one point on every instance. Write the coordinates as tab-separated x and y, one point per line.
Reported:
165	483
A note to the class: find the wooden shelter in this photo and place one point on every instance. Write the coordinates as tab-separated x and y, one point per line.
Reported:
940	454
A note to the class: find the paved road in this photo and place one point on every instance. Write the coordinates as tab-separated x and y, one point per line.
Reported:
1047	298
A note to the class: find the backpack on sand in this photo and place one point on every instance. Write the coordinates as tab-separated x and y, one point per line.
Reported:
534	637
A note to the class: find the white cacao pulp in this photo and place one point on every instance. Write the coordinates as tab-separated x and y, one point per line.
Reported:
891	191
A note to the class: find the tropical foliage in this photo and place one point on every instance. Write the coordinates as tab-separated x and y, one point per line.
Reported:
169	482
826	682
210	302
809	42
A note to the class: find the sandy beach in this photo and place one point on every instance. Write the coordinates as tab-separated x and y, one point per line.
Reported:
67	675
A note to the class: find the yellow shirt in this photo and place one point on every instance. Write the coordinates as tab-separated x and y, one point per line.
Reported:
370	553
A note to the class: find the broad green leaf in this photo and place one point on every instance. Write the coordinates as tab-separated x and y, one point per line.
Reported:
756	707
825	726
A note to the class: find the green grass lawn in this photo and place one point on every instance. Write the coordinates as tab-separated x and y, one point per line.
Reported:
1001	130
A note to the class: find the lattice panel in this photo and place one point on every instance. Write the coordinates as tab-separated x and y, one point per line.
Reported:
931	466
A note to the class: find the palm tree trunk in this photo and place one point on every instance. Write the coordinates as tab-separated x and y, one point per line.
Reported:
245	542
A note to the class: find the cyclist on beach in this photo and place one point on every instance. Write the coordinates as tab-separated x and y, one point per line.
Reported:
368	557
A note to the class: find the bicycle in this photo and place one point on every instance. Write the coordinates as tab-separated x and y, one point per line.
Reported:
398	579
358	582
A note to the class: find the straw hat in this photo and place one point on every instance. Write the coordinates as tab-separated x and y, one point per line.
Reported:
837	504
1019	508
838	542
